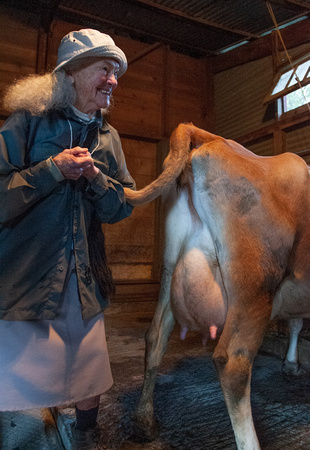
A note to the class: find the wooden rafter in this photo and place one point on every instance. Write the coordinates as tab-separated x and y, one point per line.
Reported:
130	29
304	5
209	23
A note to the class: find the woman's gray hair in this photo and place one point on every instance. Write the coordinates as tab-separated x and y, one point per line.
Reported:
40	93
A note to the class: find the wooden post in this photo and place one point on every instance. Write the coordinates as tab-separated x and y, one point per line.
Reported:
42	43
165	83
207	87
279	141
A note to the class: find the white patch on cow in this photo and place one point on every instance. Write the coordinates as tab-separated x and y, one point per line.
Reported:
243	426
295	328
177	225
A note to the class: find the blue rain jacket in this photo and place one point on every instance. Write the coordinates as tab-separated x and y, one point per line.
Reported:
44	216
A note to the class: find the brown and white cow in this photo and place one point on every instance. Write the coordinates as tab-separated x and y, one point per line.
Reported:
237	253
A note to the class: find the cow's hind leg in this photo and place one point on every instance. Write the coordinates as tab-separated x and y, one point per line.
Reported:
233	358
291	366
156	339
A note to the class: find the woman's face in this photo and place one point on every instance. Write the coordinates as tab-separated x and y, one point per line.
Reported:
94	84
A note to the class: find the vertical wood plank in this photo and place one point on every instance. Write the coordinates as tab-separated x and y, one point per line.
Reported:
279	141
42	45
165	93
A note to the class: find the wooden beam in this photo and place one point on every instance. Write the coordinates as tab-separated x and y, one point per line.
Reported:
210	23
41	58
294	35
165	82
145	52
74	13
279	141
144	290
207	93
298	120
304	5
276	61
303	153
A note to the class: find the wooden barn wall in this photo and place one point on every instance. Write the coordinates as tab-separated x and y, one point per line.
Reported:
294	52
131	242
298	141
297	136
263	148
159	90
18	49
240	113
239	94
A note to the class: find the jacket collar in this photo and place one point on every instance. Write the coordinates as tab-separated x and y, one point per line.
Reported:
99	120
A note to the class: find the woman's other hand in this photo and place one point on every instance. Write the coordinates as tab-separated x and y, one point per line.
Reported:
76	162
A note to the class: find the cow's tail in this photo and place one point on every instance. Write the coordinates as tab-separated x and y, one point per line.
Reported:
183	139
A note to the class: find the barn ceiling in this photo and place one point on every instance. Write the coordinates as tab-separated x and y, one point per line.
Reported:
195	27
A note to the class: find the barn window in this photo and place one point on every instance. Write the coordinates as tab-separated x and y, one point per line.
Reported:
291	88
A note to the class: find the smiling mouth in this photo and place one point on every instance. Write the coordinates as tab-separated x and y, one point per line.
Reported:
103	91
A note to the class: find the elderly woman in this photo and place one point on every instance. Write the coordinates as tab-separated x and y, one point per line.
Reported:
62	173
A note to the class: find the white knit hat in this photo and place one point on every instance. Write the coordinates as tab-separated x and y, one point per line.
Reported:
88	42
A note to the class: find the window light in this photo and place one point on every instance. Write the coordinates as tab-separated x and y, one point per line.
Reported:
290	80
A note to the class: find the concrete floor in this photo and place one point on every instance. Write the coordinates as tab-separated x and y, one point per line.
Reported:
188	401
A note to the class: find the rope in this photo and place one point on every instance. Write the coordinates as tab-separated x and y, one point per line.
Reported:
71	133
286	52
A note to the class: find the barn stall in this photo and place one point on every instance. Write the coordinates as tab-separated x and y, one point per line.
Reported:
209	64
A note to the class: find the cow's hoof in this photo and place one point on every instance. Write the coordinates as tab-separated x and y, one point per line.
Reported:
292	369
145	433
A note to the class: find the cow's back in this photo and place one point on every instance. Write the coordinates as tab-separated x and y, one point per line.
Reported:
257	209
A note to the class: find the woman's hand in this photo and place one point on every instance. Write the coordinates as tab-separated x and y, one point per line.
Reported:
76	162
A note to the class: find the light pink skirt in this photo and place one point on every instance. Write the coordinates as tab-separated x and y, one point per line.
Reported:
53	362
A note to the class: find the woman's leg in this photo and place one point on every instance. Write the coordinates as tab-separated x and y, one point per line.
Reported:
86	413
